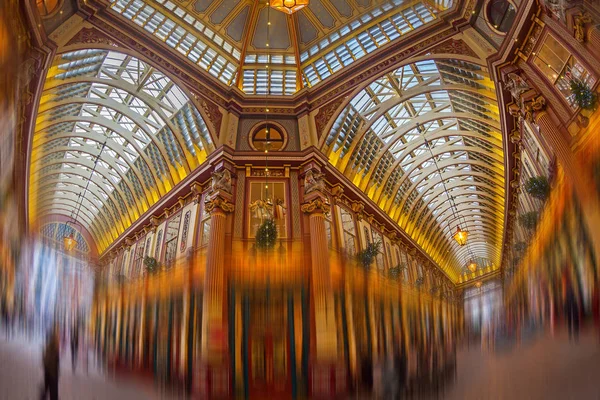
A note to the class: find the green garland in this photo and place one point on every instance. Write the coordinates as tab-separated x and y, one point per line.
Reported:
266	235
529	220
584	96
538	187
151	264
368	255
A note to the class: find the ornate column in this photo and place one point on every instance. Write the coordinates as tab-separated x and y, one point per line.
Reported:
325	379
214	368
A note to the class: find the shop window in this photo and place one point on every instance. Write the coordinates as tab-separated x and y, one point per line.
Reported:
204	229
349	231
158	245
379	259
186	228
171	239
558	66
138	260
501	15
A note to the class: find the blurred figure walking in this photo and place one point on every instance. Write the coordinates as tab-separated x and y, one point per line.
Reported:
74	344
51	360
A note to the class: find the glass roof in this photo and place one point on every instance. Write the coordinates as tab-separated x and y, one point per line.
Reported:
424	143
115	133
229	39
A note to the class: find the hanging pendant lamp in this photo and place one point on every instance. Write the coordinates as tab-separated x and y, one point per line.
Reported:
472	266
461	236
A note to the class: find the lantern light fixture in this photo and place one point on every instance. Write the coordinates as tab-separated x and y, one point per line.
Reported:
461	236
288	6
472	266
69	242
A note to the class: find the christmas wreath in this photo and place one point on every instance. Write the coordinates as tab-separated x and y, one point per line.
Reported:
584	96
266	235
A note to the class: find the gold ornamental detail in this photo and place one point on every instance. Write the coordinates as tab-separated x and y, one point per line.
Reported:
315	205
218	203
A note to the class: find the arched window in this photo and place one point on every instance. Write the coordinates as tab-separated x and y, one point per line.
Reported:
501	14
349	231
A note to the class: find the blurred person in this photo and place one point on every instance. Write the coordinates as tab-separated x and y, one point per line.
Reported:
401	367
74	344
571	309
596	307
51	364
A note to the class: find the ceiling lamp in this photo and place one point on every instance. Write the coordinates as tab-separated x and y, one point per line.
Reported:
288	6
460	236
472	266
478	284
69	242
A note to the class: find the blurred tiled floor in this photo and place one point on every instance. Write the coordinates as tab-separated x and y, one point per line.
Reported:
21	377
547	367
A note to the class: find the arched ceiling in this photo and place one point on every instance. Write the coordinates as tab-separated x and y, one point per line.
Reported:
424	142
235	40
112	136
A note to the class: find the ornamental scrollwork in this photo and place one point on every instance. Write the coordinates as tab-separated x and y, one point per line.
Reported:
534	106
317	204
218	203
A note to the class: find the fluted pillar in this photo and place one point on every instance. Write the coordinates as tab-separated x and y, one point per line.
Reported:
214	381
324	310
327	374
593	38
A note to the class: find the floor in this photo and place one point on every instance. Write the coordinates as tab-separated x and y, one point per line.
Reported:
21	377
545	367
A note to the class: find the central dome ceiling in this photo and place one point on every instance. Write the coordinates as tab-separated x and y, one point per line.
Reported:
235	40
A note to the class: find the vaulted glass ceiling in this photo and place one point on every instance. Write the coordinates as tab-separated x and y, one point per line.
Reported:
113	135
424	143
246	44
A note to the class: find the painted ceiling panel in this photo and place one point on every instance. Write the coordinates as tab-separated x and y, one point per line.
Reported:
235	30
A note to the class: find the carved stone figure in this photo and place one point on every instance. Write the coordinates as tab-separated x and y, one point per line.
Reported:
221	180
579	23
262	209
313	181
279	209
516	85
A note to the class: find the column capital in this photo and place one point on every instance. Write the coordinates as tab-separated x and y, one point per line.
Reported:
218	202
317	204
534	108
337	191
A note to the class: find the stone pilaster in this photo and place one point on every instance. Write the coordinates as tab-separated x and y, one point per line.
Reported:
327	376
214	368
